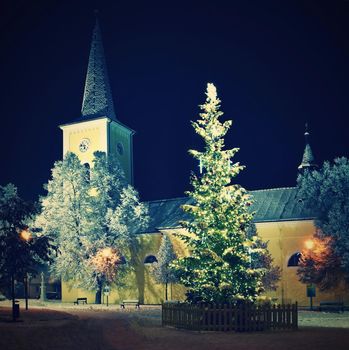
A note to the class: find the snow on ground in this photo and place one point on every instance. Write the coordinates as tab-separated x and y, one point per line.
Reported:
92	327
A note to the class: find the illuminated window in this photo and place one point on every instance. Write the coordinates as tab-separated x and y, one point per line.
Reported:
294	259
150	259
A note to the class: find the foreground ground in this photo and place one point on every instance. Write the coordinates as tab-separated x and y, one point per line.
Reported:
58	326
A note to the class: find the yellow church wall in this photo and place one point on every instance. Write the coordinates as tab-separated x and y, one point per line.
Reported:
150	291
119	134
285	239
95	131
139	282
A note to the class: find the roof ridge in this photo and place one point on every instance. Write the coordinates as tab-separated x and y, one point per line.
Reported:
184	197
166	199
274	189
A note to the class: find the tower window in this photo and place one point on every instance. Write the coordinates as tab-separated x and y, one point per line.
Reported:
294	259
120	148
150	259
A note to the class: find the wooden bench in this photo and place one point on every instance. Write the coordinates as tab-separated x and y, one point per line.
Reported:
129	302
331	306
82	300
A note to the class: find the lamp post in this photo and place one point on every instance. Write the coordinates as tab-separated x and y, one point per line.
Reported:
105	264
43	288
27	237
311	292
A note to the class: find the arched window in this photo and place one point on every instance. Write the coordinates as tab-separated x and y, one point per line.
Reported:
150	259
294	259
122	261
87	169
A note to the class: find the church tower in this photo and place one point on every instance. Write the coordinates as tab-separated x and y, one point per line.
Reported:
308	160
98	129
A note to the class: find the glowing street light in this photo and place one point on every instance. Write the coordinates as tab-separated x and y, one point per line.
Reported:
107	252
26	235
106	263
309	244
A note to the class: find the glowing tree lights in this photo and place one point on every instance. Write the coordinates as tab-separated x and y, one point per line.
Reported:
219	267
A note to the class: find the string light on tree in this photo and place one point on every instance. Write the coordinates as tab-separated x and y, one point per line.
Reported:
219	267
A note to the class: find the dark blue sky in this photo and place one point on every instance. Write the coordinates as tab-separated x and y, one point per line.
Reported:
276	65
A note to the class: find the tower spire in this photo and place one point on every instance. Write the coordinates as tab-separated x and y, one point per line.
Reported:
308	160
97	100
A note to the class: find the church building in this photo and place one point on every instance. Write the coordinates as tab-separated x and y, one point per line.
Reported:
281	217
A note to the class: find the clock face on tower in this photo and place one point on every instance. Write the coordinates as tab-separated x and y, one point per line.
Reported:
84	145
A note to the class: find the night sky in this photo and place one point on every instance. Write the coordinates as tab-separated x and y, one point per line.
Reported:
276	65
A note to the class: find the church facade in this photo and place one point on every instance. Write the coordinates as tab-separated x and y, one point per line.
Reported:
281	218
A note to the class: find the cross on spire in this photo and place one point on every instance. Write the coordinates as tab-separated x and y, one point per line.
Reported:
97	100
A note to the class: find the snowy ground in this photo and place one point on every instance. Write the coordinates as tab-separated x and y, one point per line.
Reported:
64	326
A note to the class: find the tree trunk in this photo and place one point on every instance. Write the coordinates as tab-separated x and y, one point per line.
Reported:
13	297
98	298
166	296
26	290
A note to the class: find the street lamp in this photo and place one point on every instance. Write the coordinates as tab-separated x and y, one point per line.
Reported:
27	237
309	244
105	262
311	292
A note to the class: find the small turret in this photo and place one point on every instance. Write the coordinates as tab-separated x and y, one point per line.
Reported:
308	161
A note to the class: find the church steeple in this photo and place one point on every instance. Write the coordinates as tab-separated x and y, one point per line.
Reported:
97	100
308	161
97	129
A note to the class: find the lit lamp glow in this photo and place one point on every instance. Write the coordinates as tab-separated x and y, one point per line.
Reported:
105	262
309	244
26	235
107	252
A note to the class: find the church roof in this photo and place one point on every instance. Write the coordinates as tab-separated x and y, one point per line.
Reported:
277	204
97	100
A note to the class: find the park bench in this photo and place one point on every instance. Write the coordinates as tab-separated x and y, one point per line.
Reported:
129	302
82	300
331	306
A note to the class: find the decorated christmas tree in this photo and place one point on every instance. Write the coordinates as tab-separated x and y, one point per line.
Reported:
219	268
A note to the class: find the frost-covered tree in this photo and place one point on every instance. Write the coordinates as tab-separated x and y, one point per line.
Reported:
162	270
326	193
261	258
89	216
320	265
219	266
20	251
